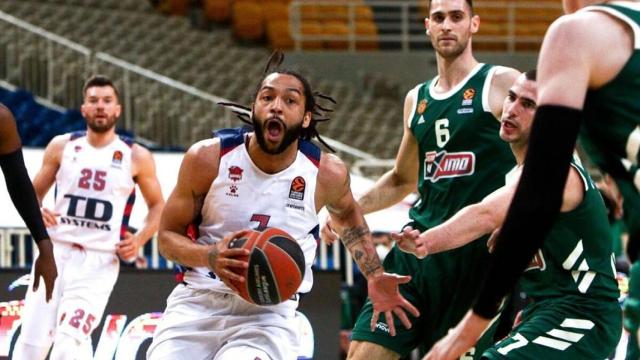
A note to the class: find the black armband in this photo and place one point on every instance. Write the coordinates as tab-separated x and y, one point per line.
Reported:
535	205
22	194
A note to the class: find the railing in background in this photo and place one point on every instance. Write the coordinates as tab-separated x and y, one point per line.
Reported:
13	248
155	106
505	26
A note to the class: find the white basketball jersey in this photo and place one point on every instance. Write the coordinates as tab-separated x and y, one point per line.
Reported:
244	197
94	193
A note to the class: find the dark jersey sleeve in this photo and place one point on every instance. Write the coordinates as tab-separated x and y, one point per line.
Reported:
535	205
22	194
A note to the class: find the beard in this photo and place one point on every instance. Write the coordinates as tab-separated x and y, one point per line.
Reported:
102	128
450	52
290	135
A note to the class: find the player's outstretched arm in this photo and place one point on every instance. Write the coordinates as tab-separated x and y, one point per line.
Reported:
472	326
198	170
24	199
467	225
144	172
334	191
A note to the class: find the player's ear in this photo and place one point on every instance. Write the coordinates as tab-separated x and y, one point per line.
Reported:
475	24
306	120
118	110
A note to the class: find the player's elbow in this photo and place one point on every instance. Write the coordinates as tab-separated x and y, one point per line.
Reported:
164	244
403	179
487	219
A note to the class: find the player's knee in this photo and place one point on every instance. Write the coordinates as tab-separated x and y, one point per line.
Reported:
363	350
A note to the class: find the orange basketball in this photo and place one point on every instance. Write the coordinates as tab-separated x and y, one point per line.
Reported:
276	266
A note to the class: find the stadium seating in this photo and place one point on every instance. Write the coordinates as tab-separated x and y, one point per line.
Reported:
212	61
209	61
248	20
217	10
37	123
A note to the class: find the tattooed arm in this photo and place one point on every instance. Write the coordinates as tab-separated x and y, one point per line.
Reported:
334	191
348	220
198	170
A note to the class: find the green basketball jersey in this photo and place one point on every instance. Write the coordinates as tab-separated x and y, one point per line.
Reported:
612	112
576	258
462	158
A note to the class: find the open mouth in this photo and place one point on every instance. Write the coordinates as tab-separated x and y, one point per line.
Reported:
274	128
508	124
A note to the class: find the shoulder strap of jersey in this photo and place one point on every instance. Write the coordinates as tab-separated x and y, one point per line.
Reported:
576	163
230	138
310	150
127	140
77	134
488	71
417	95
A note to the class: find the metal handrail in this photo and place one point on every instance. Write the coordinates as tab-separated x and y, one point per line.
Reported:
159	77
44	33
405	22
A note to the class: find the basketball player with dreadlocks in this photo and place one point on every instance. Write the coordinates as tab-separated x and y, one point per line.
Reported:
242	179
452	154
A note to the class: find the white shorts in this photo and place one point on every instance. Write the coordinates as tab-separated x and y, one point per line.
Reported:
81	291
202	324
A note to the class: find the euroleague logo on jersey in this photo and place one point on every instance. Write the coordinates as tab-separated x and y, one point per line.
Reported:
116	160
235	174
439	165
296	191
422	107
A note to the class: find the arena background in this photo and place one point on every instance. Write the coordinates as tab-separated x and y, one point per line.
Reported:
173	60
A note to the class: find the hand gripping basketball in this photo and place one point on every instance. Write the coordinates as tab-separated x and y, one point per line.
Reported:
276	266
228	264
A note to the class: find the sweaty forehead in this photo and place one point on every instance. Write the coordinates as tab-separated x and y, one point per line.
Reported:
446	6
282	82
101	91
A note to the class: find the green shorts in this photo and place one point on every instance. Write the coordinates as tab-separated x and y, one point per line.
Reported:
567	328
443	287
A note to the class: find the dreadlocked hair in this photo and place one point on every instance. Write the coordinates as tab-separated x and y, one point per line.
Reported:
319	113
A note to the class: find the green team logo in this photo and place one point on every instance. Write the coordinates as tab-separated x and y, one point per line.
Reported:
442	165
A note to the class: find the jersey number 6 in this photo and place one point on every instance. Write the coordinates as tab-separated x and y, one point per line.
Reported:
442	132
